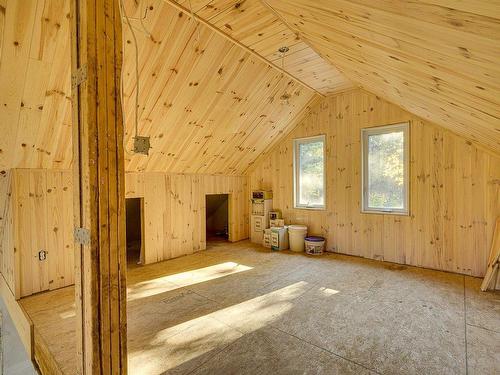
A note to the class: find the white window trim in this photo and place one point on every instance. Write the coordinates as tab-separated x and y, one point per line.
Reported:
365	133
296	143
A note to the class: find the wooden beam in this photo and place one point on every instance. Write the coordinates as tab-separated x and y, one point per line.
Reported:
100	263
493	261
21	321
44	358
239	44
306	42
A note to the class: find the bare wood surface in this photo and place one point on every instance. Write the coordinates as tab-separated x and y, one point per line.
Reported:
454	188
99	192
489	281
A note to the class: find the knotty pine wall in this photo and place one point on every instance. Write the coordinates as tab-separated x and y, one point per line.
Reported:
454	189
39	215
6	229
174	210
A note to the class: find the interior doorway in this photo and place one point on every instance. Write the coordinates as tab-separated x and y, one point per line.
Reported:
217	217
134	223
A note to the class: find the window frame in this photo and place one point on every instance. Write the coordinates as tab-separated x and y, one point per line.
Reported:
296	189
367	132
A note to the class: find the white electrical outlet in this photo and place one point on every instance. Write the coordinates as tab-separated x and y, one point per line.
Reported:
42	255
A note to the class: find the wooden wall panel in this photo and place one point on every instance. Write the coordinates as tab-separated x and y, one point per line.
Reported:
174	210
7	259
21	320
42	220
455	189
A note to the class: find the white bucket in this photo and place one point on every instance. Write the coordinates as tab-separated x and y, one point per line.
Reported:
296	235
315	245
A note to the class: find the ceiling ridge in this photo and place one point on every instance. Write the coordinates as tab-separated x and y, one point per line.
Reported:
238	43
306	42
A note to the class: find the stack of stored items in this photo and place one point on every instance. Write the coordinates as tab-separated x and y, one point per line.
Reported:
269	229
275	220
262	204
266	241
279	238
278	232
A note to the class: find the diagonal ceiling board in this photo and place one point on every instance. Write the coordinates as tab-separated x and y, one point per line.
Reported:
487	8
441	12
229	37
209	105
203	102
251	23
420	58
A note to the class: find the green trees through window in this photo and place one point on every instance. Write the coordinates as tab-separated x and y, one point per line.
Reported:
309	172
384	168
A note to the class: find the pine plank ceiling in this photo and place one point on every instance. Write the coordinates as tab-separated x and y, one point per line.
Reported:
439	59
251	23
209	105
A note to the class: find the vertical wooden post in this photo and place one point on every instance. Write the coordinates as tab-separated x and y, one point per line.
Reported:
100	260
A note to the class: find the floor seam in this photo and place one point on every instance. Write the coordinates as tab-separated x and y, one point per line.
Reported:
465	330
481	327
326	350
205	297
211	358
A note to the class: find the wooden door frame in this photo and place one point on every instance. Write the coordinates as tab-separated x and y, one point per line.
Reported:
229	210
142	255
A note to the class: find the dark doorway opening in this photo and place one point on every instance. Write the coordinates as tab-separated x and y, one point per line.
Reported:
133	208
217	217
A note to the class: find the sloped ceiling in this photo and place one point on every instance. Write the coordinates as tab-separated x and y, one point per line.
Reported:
208	105
213	107
254	25
439	59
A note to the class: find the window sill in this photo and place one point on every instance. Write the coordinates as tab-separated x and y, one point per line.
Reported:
310	208
381	212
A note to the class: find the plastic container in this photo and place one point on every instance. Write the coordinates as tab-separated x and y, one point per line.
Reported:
266	242
279	238
314	245
296	235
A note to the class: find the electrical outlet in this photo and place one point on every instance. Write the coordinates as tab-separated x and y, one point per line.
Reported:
42	255
141	145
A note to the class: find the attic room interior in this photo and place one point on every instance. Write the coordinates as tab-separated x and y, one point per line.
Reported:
249	187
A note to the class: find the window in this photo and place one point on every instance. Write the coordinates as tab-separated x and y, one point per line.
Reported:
385	169
309	172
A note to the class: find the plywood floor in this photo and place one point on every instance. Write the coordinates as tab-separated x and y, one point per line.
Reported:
238	308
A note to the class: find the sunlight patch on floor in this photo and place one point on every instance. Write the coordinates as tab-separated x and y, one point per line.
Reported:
175	346
68	314
170	282
328	291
